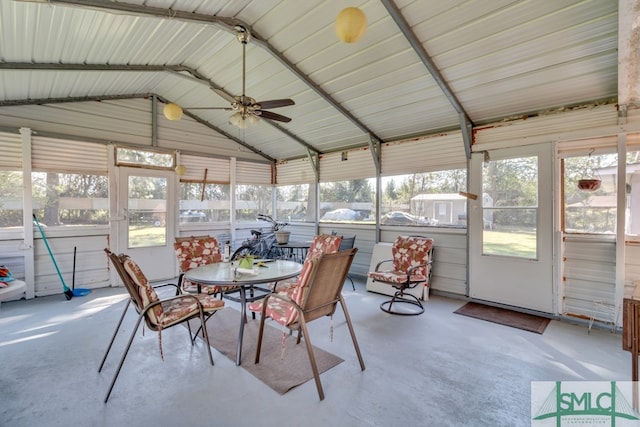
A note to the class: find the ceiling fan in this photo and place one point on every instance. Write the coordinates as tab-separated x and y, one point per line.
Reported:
248	111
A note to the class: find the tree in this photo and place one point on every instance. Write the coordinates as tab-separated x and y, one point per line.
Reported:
11	200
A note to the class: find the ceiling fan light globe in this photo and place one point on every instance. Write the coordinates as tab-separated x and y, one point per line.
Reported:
252	119
172	111
239	120
235	119
351	24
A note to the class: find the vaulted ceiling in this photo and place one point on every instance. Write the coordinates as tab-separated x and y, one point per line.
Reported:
422	67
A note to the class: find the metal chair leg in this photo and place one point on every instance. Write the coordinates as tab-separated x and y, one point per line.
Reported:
113	338
124	356
352	332
200	328
205	334
401	298
353	286
261	331
312	357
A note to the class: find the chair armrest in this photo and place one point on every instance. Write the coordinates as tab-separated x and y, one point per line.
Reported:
382	262
411	269
178	290
265	303
181	296
280	297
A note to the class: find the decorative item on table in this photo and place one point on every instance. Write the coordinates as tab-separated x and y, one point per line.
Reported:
226	252
245	265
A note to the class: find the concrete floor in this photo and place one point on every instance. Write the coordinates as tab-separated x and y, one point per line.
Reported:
437	369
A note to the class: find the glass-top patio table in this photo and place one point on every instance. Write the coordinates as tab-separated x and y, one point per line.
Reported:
226	274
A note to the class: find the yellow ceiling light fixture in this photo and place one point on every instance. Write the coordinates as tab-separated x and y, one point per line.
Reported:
172	111
351	23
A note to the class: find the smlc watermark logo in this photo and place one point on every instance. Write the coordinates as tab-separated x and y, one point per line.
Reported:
584	403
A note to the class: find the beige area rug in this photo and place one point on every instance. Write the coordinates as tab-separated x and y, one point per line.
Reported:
280	374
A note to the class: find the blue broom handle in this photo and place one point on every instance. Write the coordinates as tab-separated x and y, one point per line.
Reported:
55	264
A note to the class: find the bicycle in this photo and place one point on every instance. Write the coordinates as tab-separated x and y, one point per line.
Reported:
261	244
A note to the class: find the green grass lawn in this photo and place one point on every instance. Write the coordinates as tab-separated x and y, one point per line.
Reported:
518	244
147	235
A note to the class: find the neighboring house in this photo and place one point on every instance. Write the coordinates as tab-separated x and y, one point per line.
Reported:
448	208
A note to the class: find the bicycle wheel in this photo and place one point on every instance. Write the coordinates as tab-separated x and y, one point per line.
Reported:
276	252
242	251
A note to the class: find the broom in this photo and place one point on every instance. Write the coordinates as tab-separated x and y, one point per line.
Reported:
68	293
77	292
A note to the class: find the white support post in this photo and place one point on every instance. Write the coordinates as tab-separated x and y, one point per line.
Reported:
621	223
27	214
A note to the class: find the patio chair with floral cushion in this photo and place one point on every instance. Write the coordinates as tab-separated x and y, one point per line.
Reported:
348	242
320	244
157	313
316	295
195	252
411	267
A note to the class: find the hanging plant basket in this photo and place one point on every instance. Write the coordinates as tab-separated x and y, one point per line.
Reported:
589	184
282	237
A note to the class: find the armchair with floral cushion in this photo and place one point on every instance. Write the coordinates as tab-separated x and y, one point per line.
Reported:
410	267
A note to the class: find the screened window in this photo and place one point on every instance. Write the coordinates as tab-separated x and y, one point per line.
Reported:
132	157
204	203
430	199
70	199
292	203
252	200
633	193
510	207
348	201
11	200
590	210
147	210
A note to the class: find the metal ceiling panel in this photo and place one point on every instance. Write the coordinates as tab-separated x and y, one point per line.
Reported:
11	146
499	59
347	165
506	57
63	155
118	121
438	152
217	170
548	127
299	171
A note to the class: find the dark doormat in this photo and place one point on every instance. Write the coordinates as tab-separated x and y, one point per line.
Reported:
503	316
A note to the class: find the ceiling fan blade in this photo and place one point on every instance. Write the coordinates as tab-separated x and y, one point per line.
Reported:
275	103
273	116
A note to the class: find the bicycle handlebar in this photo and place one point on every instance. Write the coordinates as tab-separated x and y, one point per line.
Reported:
275	224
